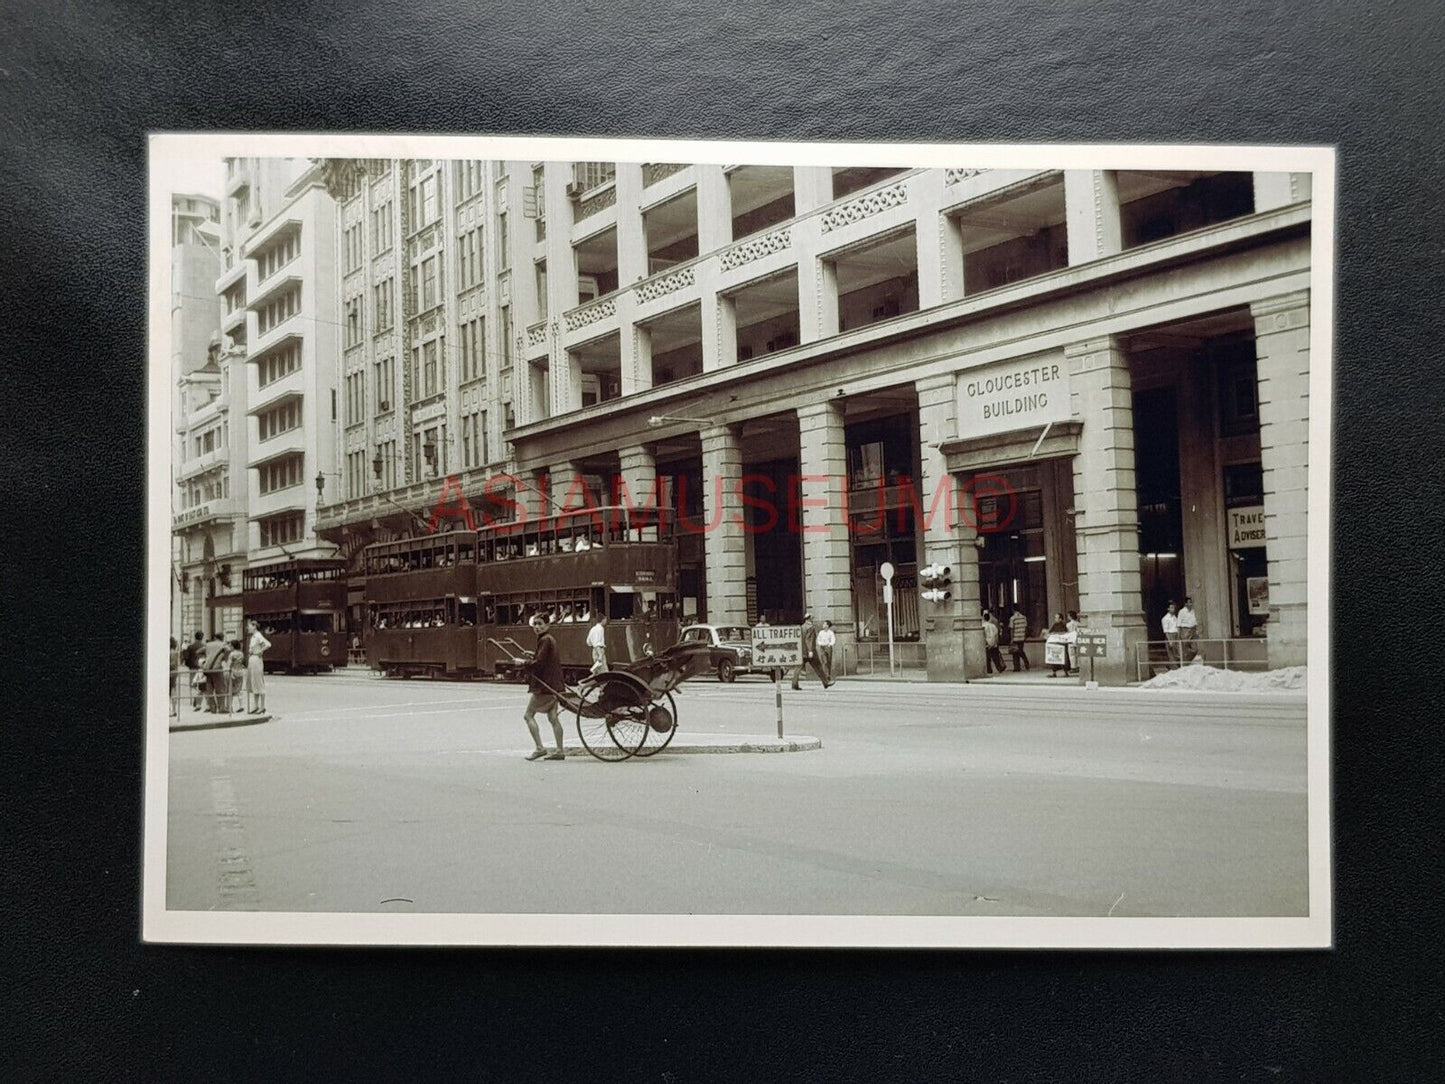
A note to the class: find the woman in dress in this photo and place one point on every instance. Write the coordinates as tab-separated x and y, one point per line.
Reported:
256	646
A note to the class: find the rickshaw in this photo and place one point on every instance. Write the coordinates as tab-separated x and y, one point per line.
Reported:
629	711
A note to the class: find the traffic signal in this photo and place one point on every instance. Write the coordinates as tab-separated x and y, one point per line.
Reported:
936	582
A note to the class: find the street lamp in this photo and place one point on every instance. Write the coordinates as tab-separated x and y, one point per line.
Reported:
662	419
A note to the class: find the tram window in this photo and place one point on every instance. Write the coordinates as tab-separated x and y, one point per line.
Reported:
466	551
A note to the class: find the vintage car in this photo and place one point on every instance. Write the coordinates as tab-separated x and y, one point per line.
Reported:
732	650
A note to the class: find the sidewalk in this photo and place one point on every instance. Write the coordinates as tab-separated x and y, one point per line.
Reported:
198	720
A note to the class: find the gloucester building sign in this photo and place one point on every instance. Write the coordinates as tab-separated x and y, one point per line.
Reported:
1012	395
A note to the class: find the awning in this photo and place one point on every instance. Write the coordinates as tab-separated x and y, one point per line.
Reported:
965	455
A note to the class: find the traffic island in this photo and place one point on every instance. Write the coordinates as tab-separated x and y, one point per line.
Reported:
724	743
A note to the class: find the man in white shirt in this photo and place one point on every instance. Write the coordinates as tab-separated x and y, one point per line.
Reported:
827	640
1170	621
1188	631
597	641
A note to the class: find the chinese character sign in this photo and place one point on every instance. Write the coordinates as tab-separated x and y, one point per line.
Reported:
778	646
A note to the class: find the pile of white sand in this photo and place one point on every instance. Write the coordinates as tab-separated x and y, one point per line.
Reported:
1210	679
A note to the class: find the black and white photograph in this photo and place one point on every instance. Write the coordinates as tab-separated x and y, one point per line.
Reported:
623	542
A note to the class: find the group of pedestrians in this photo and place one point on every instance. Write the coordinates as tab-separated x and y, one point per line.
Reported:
219	672
996	633
818	645
1181	632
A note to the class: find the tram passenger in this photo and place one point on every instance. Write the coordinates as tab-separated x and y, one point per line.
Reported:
582	543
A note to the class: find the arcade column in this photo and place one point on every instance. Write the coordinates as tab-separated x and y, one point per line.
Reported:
636	483
823	521
1107	526
947	528
1282	352
724	542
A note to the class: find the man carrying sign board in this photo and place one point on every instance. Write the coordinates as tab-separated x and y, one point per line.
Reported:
810	654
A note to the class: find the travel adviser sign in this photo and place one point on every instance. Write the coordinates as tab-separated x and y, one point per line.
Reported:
1012	395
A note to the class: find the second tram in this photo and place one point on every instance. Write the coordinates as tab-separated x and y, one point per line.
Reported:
458	604
299	605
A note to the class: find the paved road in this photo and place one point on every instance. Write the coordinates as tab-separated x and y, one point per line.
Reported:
371	795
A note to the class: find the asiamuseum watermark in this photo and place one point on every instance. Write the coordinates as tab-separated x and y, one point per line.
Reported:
755	503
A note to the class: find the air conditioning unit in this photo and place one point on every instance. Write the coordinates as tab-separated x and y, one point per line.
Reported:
586	289
574	189
384	404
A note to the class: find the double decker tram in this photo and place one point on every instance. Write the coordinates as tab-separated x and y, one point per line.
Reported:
299	606
421	605
458	604
611	560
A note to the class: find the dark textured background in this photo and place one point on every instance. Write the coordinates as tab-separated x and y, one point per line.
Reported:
81	83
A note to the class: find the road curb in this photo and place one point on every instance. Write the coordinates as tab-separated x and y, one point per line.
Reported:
745	745
223	724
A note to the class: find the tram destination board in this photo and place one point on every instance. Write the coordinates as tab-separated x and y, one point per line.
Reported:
778	646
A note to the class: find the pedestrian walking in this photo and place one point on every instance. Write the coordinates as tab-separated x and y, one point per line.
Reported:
544	677
810	654
827	640
1188	631
1170	623
993	657
1018	632
193	656
597	641
256	647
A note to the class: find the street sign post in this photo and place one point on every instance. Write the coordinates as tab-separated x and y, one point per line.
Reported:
886	571
1092	645
777	647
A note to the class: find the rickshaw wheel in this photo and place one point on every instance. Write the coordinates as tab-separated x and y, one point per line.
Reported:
659	730
611	717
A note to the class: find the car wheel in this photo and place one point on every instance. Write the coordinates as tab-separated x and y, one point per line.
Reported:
725	670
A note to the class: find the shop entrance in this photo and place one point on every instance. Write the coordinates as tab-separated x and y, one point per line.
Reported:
1013	564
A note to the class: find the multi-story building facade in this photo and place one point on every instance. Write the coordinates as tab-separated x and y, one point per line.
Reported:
1104	375
278	287
195	326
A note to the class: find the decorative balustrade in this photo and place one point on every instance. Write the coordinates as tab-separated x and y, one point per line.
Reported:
590	314
756	248
600	202
866	206
662	285
537	334
953	176
652	172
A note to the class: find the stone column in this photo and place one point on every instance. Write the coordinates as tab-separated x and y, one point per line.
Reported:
1273	190
1282	349
1206	550
812	188
714	209
636	486
947	527
635	345
566	485
1107	526
822	519
1091	209
724	542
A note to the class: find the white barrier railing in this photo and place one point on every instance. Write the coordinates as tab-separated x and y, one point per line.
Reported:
1241	653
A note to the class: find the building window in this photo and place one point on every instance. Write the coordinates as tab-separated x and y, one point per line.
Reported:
381	227
353	322
271	260
356	470
429	369
591	174
428	284
279	419
470	176
281	474
474	439
473	334
355	397
504	243
382	376
382	294
272	367
469	258
278	311
354	251
279	530
506	351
